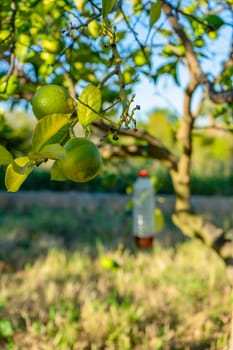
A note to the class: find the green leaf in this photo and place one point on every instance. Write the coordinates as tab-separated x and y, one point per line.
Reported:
5	156
49	130
168	68
9	86
4	97
21	164
107	6
51	151
17	173
159	220
56	172
89	104
215	21
129	205
155	12
6	329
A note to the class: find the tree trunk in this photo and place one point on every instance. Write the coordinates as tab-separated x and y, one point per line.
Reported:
193	224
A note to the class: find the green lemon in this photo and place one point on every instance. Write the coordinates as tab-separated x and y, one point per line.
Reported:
140	59
108	263
51	99
83	160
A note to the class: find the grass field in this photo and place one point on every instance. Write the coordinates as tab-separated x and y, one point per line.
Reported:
56	294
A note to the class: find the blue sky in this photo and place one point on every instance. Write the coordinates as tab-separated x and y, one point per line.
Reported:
162	95
166	94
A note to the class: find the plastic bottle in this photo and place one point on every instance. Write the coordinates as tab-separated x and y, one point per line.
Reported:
143	211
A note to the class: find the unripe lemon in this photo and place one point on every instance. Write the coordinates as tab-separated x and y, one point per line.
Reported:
140	59
51	99
51	45
108	263
83	160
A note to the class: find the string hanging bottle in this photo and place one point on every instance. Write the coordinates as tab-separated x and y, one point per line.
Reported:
143	211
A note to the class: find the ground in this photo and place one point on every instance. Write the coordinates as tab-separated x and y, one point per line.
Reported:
56	294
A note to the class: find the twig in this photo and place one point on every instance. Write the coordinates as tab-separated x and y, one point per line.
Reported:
112	105
12	46
214	127
154	148
142	47
108	76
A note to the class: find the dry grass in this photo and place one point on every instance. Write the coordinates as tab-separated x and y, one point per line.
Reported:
55	294
165	299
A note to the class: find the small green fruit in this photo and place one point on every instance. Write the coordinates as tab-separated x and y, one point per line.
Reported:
108	263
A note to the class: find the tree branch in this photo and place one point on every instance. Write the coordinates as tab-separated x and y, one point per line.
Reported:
192	61
215	128
12	46
153	148
219	97
197	74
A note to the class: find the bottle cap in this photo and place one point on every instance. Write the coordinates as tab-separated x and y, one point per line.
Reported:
143	173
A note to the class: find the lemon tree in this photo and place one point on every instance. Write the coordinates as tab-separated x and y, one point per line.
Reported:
75	158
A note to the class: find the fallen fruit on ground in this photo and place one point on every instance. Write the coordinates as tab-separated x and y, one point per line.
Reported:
108	263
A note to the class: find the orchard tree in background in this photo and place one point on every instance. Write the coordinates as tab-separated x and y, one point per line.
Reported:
98	51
